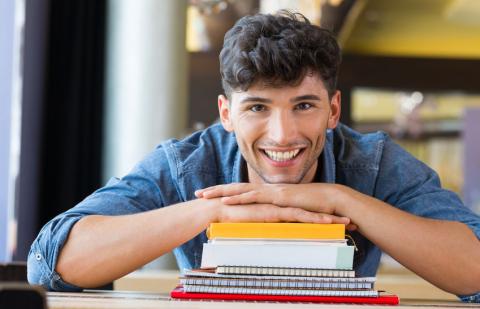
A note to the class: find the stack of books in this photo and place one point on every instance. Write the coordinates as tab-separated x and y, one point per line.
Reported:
278	262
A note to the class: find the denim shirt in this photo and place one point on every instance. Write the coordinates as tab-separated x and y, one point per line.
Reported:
370	163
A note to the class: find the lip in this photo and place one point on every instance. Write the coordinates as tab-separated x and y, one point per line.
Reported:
282	163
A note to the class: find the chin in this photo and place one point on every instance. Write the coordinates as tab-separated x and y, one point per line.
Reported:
281	179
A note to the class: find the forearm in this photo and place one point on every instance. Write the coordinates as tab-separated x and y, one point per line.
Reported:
446	253
100	249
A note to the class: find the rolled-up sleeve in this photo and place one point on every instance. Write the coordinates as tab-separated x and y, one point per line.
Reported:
44	253
148	186
475	298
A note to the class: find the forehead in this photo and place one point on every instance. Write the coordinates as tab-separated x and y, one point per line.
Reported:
311	84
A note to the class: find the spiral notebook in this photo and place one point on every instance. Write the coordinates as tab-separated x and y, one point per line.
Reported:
248	281
283	271
380	298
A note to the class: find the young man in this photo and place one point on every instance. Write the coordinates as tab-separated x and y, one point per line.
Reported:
280	154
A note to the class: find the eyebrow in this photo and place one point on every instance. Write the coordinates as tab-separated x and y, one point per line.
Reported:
255	99
307	97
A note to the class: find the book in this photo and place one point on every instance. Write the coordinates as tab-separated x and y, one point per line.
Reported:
278	291
276	230
283	271
365	283
210	273
278	254
180	293
272	241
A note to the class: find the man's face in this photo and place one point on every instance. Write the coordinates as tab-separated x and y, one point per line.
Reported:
281	130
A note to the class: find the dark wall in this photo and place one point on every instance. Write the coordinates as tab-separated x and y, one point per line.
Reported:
204	87
62	110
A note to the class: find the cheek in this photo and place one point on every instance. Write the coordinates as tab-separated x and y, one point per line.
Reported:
247	132
250	128
315	132
315	128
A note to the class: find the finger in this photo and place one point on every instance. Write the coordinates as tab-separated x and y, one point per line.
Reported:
249	213
250	197
270	213
351	227
199	192
227	190
293	214
339	220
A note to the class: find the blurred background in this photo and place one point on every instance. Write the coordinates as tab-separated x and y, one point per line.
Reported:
88	87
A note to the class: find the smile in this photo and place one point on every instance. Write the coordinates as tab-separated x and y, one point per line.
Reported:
282	156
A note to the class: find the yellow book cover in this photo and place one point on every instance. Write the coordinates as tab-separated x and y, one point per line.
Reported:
276	230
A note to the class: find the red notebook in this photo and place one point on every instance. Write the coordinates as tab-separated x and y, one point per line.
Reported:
387	299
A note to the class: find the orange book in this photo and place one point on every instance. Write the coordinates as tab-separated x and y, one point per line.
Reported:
276	230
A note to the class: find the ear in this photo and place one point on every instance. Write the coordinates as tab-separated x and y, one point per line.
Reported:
335	109
224	111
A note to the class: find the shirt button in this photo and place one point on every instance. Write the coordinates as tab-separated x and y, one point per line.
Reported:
38	256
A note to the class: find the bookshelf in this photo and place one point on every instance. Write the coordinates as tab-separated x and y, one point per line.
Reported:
429	125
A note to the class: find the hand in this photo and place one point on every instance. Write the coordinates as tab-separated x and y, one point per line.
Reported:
315	198
265	213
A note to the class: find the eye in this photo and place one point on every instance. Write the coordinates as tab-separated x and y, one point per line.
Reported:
303	106
257	108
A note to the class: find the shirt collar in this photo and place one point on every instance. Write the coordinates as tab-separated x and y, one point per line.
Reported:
326	162
239	168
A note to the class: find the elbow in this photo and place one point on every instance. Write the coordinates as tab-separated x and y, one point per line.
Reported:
472	286
39	273
469	287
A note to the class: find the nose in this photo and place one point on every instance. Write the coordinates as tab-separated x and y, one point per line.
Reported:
282	128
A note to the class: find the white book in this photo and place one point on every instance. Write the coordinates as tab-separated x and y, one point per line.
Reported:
325	255
264	241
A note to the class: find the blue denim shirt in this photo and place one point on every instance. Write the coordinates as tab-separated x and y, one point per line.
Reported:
370	163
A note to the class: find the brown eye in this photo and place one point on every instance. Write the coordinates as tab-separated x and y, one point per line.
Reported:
257	108
303	106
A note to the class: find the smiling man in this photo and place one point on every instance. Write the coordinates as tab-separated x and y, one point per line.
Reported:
279	155
281	131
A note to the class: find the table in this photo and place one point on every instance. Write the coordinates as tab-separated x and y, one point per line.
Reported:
136	300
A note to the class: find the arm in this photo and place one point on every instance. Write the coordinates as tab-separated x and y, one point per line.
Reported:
445	253
100	249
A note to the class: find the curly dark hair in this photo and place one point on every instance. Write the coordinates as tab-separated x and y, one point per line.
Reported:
278	50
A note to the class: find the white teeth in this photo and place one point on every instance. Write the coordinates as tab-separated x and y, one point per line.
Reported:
282	156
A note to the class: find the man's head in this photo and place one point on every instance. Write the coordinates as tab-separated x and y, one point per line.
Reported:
277	50
279	73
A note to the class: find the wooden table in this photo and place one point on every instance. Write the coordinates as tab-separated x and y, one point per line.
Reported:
136	300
